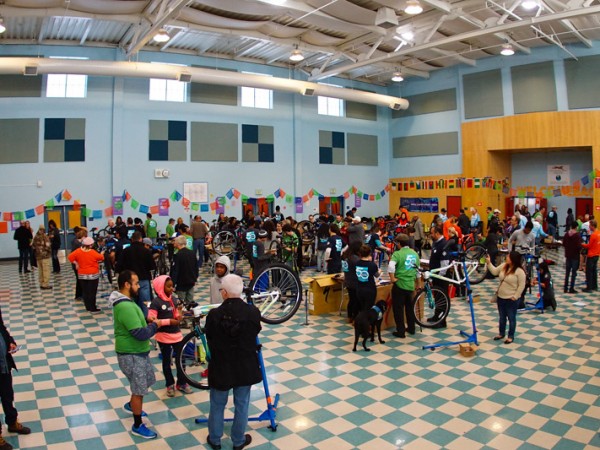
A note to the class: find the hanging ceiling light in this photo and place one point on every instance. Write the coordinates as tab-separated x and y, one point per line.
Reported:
161	36
413	7
2	27
397	77
529	4
507	50
296	55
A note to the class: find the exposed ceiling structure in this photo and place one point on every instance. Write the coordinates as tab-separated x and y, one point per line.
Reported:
362	40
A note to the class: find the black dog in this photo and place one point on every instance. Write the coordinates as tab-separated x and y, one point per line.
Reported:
366	322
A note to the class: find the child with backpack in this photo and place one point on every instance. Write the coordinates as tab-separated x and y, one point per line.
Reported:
547	286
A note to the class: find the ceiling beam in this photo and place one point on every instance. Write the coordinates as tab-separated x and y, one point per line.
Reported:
86	32
456	56
462	37
165	14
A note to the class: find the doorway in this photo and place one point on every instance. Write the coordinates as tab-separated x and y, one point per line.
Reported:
583	206
331	205
66	218
453	205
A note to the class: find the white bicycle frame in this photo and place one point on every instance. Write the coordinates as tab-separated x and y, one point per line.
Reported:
433	273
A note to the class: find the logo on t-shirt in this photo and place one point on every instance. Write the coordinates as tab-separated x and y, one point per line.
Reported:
362	273
410	262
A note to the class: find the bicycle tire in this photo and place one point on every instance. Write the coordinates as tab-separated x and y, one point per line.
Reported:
477	253
282	279
188	363
430	312
224	243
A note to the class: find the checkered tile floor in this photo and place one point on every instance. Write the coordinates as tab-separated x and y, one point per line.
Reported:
540	392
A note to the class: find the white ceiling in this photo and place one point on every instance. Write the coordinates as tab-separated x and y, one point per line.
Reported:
338	37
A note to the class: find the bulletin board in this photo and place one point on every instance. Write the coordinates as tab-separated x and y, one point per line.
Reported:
196	192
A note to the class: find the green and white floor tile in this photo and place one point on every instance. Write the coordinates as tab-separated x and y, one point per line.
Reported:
543	391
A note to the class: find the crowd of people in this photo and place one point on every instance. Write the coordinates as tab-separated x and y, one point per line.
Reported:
340	244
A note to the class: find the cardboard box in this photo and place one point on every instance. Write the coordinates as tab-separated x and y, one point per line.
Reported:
467	349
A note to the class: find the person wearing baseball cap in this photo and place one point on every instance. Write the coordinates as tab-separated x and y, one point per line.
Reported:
87	261
402	270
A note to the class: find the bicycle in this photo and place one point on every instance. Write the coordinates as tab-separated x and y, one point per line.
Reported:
276	292
431	305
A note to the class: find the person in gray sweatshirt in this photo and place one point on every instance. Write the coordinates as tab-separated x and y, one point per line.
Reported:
222	268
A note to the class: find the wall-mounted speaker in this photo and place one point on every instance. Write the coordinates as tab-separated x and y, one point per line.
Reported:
30	71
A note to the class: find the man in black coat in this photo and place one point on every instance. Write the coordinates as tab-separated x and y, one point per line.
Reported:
138	259
439	257
232	330
184	272
7	394
23	236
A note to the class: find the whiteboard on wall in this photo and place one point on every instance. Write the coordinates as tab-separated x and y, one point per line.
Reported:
196	192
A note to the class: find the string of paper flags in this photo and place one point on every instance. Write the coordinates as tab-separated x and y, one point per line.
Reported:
164	204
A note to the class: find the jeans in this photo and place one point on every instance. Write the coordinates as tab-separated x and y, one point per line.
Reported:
321	263
55	263
571	268
402	306
199	250
24	255
7	395
552	231
144	296
507	309
218	401
591	272
168	351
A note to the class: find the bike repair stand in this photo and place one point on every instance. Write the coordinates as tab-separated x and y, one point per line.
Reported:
530	306
270	413
470	338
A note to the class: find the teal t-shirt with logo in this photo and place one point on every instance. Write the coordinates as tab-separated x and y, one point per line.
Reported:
407	261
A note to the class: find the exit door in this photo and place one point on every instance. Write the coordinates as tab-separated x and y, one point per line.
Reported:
583	206
66	218
331	207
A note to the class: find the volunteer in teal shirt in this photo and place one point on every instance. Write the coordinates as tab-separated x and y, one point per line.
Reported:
403	272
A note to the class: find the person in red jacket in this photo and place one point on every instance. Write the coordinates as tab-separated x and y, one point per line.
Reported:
591	264
87	261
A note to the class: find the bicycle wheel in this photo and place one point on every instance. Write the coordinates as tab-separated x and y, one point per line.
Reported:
224	243
475	255
281	280
431	306
189	361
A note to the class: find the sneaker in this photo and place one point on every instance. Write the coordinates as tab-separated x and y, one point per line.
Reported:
572	291
18	428
245	444
6	446
170	391
397	334
143	432
185	388
127	408
211	445
204	374
95	311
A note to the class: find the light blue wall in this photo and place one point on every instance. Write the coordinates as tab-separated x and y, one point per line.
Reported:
530	169
117	112
451	120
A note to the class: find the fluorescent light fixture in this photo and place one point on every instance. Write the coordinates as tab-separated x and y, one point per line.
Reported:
408	35
397	77
529	4
507	50
413	7
2	27
161	36
273	2
296	55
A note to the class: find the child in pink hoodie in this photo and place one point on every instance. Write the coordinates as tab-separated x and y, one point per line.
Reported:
168	335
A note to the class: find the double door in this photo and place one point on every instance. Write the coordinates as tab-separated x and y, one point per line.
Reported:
66	219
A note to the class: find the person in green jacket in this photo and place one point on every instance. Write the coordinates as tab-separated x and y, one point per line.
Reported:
132	344
402	270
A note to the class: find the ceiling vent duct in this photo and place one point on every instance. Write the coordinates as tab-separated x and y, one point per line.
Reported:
386	18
